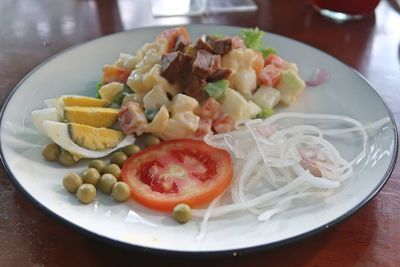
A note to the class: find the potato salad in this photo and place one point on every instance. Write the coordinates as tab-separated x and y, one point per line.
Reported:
179	87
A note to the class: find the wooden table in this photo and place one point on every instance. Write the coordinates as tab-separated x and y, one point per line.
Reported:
32	31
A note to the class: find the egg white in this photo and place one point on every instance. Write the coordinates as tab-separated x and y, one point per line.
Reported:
58	103
41	115
58	133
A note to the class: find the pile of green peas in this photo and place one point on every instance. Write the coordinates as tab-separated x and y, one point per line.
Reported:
103	176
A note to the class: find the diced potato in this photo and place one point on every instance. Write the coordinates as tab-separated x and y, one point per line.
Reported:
146	74
110	90
148	61
155	49
188	120
135	82
174	130
254	108
267	97
158	45
242	63
159	123
156	98
290	86
126	61
239	59
244	81
152	76
141	82
235	105
182	103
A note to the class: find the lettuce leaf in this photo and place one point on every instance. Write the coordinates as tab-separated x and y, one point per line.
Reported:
253	39
265	113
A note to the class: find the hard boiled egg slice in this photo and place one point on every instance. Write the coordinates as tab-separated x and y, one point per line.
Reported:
85	141
74	100
41	115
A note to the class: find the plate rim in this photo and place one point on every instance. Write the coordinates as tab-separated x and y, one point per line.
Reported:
196	254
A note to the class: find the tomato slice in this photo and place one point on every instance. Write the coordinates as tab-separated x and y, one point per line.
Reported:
177	171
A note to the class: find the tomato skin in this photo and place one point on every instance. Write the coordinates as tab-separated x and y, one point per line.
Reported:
204	186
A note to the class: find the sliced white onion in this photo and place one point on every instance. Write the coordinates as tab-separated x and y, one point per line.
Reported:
268	174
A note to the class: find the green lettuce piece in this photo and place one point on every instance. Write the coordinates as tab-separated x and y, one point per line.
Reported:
265	113
253	39
216	89
98	86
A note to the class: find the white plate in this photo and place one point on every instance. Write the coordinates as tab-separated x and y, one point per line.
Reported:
77	70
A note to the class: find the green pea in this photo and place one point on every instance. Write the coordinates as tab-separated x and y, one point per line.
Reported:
66	159
182	213
98	164
118	158
131	150
113	169
121	191
91	176
71	182
150	140
106	183
51	152
86	193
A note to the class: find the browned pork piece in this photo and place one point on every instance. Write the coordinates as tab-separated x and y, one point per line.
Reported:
214	45
173	66
197	65
193	86
205	64
219	74
181	43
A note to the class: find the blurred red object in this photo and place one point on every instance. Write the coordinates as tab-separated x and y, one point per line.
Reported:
349	7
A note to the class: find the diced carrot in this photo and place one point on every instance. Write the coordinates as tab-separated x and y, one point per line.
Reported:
270	75
275	60
113	73
258	62
237	42
203	129
210	109
172	36
223	124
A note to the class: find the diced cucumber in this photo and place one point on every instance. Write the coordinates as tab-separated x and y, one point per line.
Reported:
290	86
267	97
